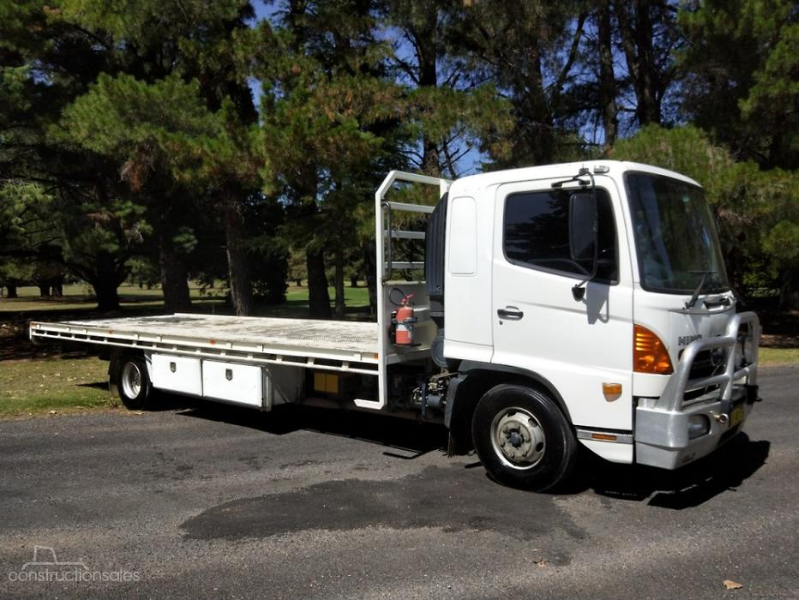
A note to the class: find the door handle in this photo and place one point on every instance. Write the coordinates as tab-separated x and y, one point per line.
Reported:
510	313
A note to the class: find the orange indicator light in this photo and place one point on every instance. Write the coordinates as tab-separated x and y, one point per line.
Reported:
649	353
611	391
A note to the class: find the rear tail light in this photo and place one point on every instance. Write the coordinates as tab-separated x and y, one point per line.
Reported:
649	353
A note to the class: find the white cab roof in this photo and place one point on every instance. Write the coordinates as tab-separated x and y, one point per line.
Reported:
565	170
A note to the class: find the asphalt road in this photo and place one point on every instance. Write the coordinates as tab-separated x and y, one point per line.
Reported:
217	502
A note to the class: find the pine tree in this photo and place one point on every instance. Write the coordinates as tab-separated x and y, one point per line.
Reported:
167	44
742	84
328	116
77	217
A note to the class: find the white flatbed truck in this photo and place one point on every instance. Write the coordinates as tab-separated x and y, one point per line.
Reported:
583	303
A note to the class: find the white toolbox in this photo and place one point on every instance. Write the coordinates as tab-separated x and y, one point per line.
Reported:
176	374
242	384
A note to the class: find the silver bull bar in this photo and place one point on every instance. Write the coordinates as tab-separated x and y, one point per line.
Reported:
662	425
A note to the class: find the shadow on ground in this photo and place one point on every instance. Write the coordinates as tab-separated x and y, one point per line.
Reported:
405	439
690	486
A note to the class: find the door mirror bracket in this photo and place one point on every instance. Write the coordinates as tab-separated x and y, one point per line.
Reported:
584	233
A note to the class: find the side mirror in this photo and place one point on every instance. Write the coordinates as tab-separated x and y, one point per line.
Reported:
583	227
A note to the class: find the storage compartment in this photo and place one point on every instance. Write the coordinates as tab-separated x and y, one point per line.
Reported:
284	384
176	374
242	384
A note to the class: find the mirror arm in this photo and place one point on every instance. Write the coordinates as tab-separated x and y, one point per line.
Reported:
581	173
578	290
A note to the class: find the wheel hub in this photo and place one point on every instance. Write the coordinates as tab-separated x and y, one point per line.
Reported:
518	438
131	380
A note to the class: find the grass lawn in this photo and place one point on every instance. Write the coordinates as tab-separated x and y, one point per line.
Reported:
778	356
78	297
33	387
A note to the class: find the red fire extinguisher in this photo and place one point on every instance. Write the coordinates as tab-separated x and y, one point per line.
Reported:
404	323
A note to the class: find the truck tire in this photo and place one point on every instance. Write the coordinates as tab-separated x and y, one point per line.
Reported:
133	383
522	438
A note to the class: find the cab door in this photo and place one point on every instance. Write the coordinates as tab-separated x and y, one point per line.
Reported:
538	326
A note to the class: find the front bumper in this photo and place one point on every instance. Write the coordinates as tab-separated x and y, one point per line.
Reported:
662	424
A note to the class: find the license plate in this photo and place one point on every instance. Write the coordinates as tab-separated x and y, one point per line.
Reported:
737	415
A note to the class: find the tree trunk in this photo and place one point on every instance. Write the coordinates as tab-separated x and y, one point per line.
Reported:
535	110
105	283
648	109
425	37
354	281
607	79
431	160
44	291
174	278
58	286
636	40
340	303
107	295
12	291
788	297
318	296
370	274
238	270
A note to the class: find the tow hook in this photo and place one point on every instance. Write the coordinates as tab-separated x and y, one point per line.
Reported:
722	418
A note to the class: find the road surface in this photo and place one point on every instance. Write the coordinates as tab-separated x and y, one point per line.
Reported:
209	501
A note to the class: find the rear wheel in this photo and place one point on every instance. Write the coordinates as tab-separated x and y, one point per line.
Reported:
522	437
133	383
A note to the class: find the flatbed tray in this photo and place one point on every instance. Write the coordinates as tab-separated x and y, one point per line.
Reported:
299	337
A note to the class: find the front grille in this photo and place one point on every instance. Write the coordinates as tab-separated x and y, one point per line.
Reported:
706	364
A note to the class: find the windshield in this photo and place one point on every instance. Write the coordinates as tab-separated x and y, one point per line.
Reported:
675	237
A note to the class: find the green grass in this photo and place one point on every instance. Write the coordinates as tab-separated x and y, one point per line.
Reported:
34	387
355	297
78	297
778	356
296	304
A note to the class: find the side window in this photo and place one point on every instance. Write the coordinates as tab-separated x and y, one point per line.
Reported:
536	233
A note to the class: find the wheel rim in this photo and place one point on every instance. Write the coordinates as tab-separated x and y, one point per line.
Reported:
518	438
131	380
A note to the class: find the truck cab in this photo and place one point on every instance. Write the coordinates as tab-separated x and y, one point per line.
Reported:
588	302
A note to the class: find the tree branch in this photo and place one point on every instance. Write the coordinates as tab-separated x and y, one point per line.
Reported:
564	73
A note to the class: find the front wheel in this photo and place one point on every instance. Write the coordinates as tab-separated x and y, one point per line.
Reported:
522	438
133	383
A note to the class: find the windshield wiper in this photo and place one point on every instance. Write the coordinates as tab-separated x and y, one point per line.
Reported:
699	288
